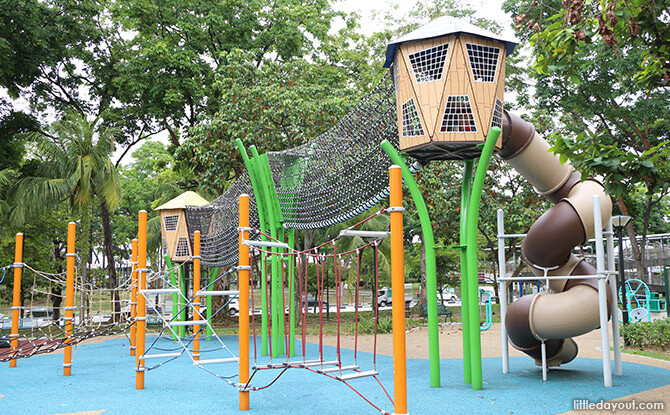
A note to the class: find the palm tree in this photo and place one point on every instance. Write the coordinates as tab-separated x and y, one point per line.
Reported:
74	167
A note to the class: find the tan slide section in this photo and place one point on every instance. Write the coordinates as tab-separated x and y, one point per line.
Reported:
581	199
566	269
540	167
567	314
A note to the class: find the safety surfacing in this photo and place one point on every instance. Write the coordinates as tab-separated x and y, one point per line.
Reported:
103	381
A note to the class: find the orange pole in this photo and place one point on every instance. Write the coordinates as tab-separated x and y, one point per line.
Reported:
69	297
398	287
196	298
141	301
133	298
16	300
243	282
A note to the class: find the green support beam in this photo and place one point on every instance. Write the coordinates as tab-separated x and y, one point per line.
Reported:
212	277
466	188
175	297
431	271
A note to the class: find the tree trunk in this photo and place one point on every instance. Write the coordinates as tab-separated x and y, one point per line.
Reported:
637	255
57	290
109	252
84	249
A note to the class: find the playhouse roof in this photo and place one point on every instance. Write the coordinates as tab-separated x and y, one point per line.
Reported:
442	26
188	198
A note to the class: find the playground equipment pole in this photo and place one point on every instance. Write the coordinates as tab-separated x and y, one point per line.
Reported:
431	278
471	254
258	195
69	298
133	298
16	300
667	292
196	297
243	280
175	296
466	188
398	286
209	300
141	300
182	298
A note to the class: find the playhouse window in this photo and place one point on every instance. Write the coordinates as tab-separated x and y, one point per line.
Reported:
458	117
411	123
483	61
171	222
165	247
182	247
428	64
496	120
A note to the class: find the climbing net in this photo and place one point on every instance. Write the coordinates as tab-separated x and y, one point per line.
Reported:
328	180
168	344
99	311
343	365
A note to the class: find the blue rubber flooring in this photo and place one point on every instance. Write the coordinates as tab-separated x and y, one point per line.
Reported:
103	378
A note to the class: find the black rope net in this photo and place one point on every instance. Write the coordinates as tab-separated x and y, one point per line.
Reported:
328	180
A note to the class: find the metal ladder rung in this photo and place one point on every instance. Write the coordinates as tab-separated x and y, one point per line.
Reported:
188	323
160	291
337	369
212	361
270	366
357	375
319	363
160	355
216	293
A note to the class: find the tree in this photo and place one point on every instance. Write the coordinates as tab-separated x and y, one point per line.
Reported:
585	69
74	167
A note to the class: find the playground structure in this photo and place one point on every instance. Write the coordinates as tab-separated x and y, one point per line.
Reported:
315	185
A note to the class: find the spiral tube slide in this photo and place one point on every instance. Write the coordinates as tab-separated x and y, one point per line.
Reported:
571	309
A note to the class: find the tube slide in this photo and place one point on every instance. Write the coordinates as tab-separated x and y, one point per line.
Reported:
571	309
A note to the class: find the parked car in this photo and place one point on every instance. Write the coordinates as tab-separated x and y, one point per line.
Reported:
313	302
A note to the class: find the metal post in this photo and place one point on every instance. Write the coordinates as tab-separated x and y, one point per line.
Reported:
502	272
398	287
16	299
196	297
69	298
243	286
622	283
133	298
602	292
431	268
667	292
614	309
141	299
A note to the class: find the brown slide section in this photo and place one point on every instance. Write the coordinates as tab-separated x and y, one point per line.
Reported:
571	307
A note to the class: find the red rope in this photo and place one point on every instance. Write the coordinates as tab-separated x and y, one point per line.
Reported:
319	296
358	283
283	301
338	298
253	308
374	298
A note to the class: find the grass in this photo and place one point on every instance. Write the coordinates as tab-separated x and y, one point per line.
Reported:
653	353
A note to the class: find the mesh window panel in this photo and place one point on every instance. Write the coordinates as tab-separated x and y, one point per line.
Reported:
483	61
171	222
411	123
458	117
496	120
182	248
428	64
165	247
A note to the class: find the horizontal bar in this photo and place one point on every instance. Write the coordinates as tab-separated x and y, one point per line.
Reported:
357	375
337	369
319	363
212	361
160	355
553	277
160	291
512	235
215	293
364	234
267	244
188	323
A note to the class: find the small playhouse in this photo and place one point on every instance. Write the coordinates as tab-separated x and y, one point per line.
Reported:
450	78
174	229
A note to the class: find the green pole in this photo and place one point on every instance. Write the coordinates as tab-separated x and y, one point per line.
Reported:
291	289
667	291
260	206
431	276
471	253
182	297
175	297
258	161
209	300
466	187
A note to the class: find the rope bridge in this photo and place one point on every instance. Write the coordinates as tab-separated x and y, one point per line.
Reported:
328	180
